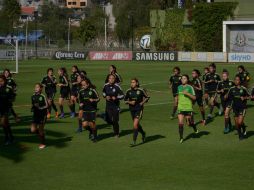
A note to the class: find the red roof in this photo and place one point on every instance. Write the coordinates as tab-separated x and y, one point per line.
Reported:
27	10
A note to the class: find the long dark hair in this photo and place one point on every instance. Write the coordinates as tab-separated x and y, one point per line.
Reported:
212	65
114	68
76	67
9	72
63	69
241	67
90	84
197	71
177	68
137	81
50	69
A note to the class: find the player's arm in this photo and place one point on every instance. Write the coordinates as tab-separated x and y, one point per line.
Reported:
96	97
146	97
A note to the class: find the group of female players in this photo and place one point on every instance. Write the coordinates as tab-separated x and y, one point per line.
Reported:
233	96
78	89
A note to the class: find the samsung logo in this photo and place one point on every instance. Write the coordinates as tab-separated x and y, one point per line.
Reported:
155	56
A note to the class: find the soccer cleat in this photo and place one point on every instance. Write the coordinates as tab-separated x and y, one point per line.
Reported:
17	119
62	116
133	144
209	116
220	112
144	138
42	146
72	114
79	130
48	116
226	130
203	122
117	136
181	140
245	133
196	131
56	115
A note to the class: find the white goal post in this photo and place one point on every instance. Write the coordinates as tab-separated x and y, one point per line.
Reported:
10	54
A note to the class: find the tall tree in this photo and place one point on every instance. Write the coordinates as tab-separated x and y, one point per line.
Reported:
9	16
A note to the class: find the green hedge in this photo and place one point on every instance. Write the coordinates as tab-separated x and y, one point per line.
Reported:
207	24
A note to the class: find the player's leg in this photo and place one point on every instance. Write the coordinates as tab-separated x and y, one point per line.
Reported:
115	121
238	127
191	123
227	121
72	105
80	116
92	125
174	106
42	135
8	139
180	126
49	107
61	101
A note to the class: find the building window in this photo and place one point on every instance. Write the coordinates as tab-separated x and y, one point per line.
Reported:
82	4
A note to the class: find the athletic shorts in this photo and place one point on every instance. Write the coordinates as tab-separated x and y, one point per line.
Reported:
113	114
4	112
199	100
39	117
239	111
74	91
185	113
89	116
50	95
65	93
136	114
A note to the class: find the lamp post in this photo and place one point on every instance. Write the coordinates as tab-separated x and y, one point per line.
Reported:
36	45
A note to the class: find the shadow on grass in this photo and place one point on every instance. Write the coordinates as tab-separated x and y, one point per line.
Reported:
194	136
249	134
111	134
150	139
24	139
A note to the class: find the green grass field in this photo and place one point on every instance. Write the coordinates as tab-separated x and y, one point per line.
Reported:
210	160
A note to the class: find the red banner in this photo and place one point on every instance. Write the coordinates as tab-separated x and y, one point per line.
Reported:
110	55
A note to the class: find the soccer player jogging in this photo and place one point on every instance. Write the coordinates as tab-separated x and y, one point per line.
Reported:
197	85
222	91
49	82
186	96
113	71
244	76
88	99
64	89
211	80
13	85
74	89
6	97
136	97
39	109
238	97
113	93
174	82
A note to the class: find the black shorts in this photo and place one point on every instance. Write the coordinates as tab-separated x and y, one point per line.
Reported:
185	113
113	114
137	114
89	116
50	95
65	93
74	91
239	111
40	117
224	103
199	100
4	112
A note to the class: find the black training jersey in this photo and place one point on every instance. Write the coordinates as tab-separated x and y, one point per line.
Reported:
212	80
138	95
244	77
235	94
175	81
63	80
225	85
6	97
113	90
84	99
50	84
39	102
11	83
197	85
74	77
